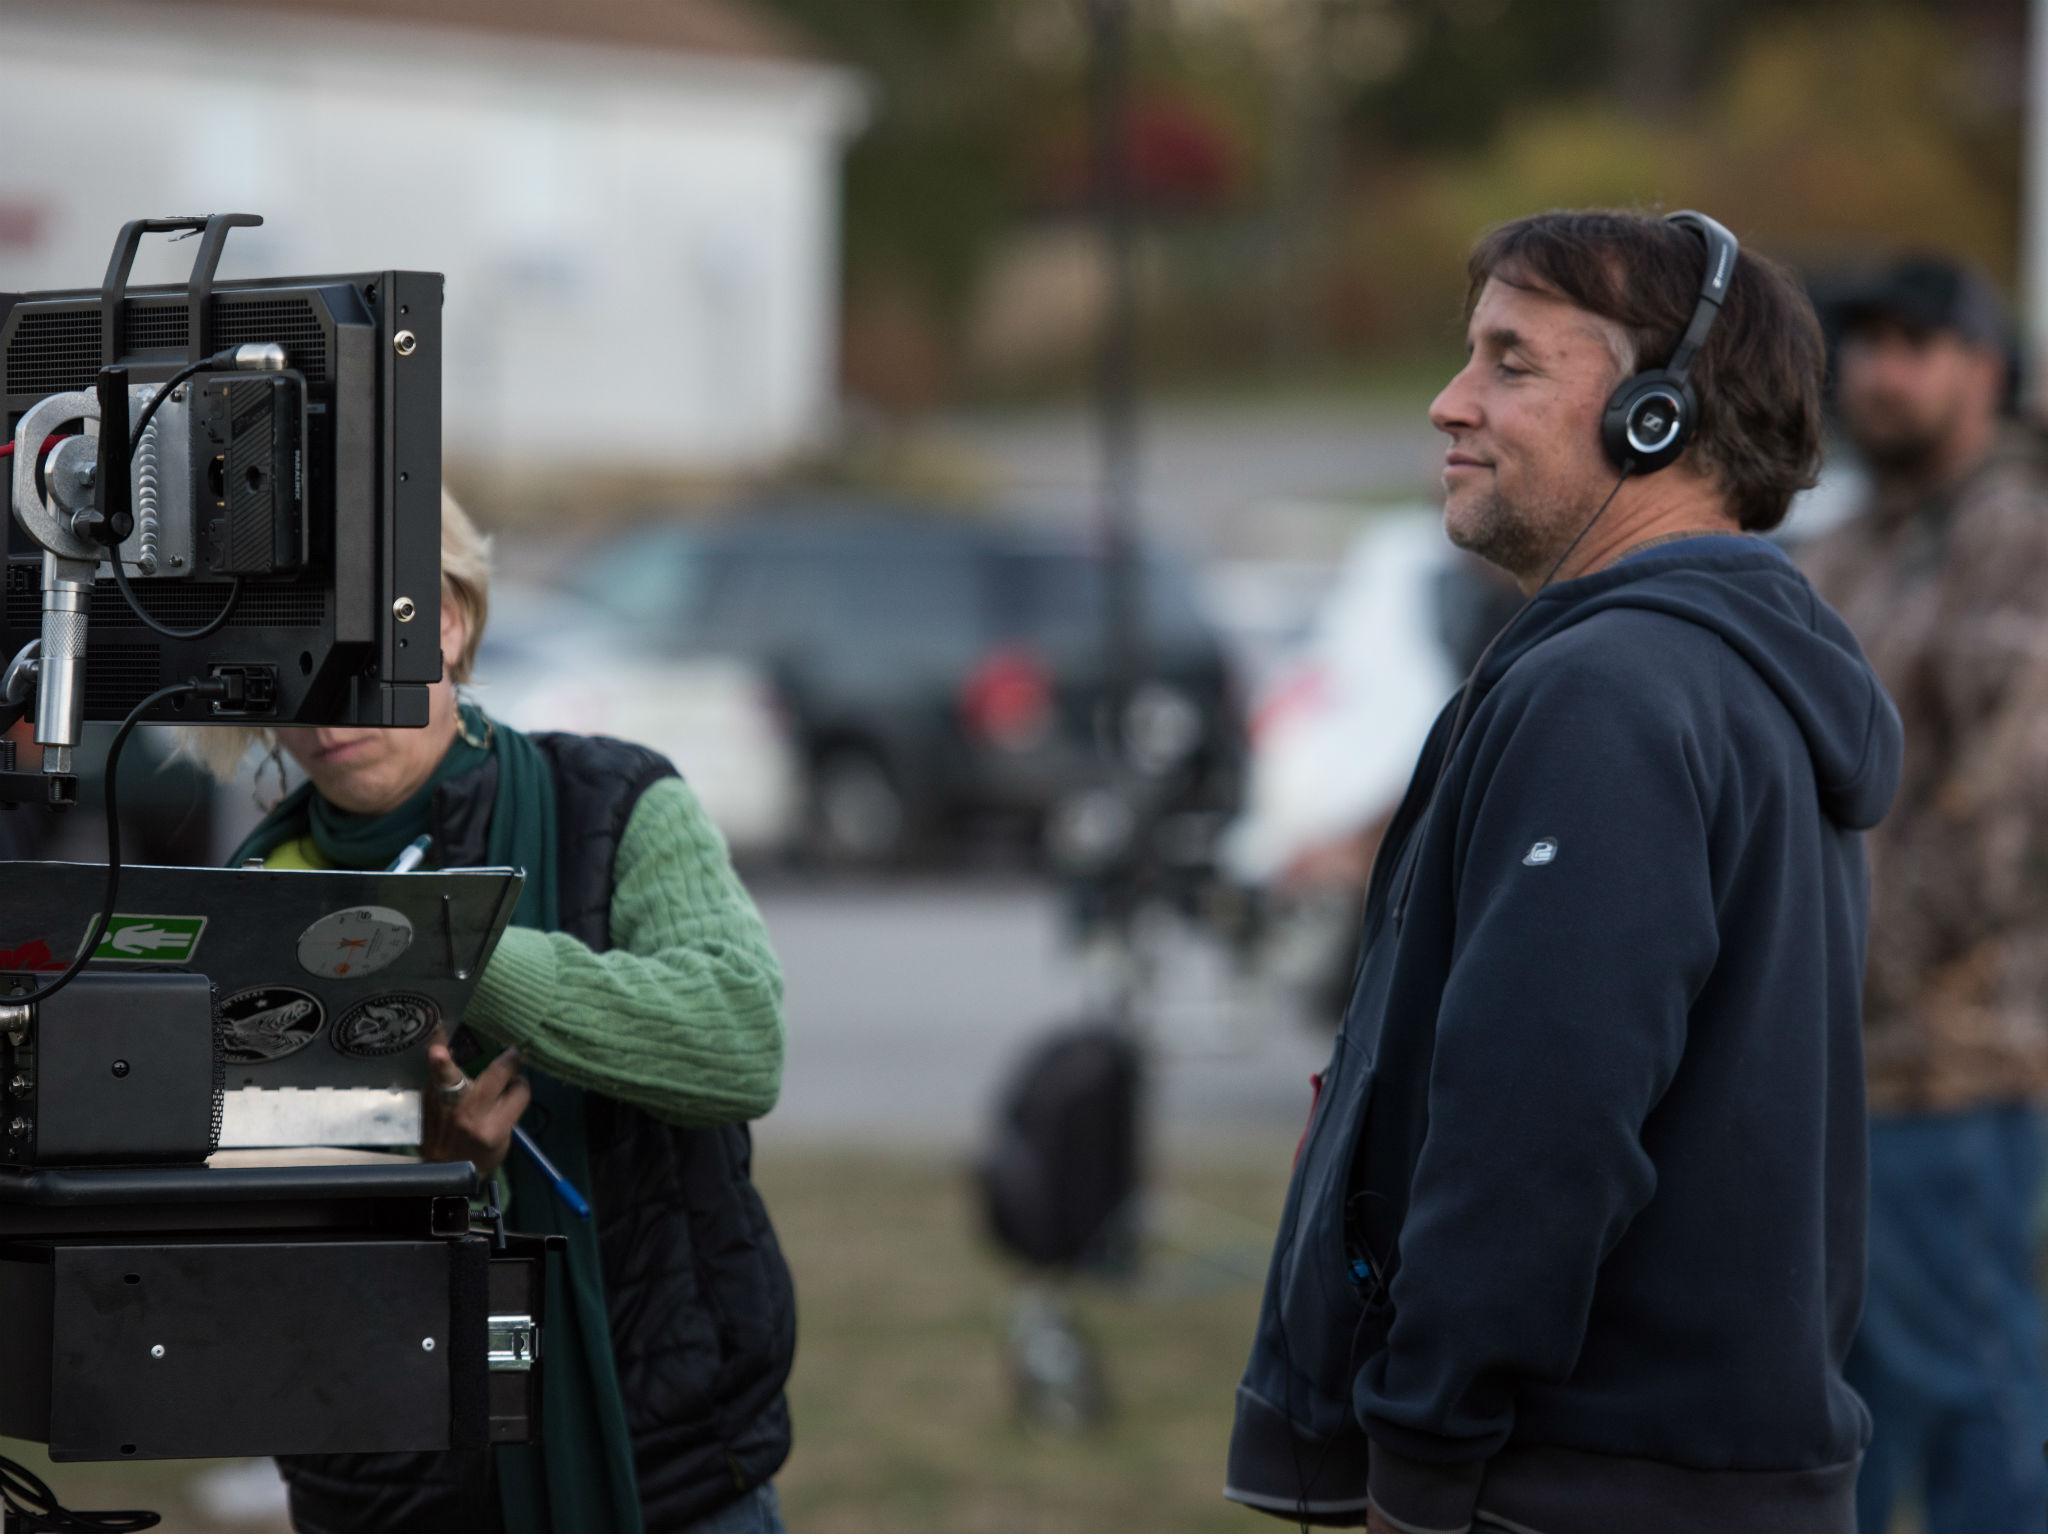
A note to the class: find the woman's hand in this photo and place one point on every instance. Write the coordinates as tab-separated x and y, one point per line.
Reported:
470	1121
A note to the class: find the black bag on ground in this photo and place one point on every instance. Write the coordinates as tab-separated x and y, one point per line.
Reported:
1063	1164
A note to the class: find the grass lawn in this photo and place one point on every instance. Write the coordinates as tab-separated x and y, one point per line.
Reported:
902	1399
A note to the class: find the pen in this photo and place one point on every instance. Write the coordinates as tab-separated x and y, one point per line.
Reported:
411	855
568	1191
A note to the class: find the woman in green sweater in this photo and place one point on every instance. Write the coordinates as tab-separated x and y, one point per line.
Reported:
630	1020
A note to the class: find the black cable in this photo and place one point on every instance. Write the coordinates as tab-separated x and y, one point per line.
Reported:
135	605
33	1506
1464	703
163	391
99	927
223	359
1468	694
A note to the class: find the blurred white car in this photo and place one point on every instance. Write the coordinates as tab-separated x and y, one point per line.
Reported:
1336	730
1267	612
554	663
1336	727
1335	733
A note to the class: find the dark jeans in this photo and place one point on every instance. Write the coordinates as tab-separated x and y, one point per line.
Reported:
759	1510
1951	1357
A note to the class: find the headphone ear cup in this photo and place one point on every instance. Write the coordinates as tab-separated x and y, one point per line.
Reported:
1648	421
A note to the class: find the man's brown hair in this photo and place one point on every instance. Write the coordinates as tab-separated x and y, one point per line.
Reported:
1759	375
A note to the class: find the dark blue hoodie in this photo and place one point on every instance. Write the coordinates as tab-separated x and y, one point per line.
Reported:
1576	1236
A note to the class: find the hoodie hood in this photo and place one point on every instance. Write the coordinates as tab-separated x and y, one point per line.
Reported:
1746	591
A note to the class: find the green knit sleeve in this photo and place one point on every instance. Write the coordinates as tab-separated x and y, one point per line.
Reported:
683	1016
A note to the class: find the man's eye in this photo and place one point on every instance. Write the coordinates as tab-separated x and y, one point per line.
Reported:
1509	370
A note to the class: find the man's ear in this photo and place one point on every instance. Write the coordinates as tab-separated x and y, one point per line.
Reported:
1987	377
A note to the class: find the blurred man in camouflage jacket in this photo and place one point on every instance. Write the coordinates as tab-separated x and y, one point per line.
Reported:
1944	578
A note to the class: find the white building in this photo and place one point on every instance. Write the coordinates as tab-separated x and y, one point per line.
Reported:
636	202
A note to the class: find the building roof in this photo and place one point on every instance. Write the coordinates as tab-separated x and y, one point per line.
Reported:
722	28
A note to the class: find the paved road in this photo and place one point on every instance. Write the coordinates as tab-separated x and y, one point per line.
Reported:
908	1001
1269	480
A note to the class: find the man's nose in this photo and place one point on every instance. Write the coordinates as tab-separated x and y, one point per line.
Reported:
1885	366
1455	409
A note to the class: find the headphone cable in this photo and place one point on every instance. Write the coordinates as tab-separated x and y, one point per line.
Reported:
1471	678
1305	1481
1467	693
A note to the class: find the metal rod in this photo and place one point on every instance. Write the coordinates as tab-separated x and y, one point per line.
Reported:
1116	362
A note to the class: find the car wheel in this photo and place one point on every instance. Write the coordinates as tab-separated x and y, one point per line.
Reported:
859	817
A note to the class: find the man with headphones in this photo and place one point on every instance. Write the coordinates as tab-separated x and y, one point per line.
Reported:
1575	1235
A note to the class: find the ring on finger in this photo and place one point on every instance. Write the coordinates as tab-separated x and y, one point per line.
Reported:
450	1092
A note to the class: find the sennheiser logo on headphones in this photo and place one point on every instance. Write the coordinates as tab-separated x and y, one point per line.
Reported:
1542	852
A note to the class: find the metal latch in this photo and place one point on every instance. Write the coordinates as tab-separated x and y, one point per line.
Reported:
514	1341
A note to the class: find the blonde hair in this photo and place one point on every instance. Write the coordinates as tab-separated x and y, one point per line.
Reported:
465	582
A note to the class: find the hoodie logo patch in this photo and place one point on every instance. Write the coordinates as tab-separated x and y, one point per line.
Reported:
1542	852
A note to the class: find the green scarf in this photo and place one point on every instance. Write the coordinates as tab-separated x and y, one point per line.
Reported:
580	1476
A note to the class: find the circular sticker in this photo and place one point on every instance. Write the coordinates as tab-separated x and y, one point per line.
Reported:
264	1023
386	1025
355	941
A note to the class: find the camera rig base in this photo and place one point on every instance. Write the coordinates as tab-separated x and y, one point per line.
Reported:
175	1312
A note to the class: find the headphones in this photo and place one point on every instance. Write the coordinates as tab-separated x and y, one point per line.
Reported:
1651	416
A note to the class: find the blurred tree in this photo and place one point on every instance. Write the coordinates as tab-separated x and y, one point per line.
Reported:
1831	133
1470	63
1310	172
927	187
1879	125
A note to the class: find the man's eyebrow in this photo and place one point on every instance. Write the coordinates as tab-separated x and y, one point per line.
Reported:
1502	338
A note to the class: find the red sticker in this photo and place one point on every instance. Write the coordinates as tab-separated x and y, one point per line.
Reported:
35	955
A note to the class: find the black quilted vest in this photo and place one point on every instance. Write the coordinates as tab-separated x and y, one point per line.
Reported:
703	1316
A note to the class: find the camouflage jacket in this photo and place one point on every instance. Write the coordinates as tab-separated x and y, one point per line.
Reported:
1948	592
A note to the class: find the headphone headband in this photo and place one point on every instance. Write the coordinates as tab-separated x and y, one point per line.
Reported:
1722	249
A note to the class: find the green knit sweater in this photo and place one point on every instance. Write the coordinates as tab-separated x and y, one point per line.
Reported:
683	1015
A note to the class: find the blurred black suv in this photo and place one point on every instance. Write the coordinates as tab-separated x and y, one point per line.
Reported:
935	669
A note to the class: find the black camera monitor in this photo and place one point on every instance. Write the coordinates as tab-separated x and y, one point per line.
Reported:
275	514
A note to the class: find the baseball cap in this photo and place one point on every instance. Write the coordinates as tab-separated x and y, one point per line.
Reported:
1928	293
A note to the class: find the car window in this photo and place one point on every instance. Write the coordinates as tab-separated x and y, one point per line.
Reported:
743	607
906	599
855	602
1056	599
651	578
